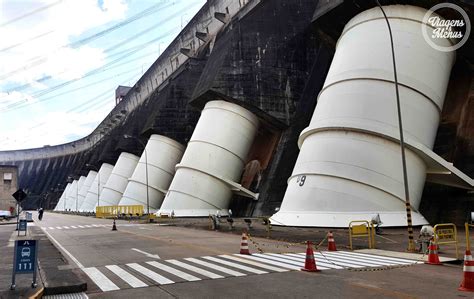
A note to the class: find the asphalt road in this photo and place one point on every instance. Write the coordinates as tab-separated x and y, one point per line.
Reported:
151	261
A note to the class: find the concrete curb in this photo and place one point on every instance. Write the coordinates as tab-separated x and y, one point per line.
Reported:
57	277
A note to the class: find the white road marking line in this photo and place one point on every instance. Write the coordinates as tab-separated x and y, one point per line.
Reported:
100	279
174	271
88	225
156	256
58	227
72	226
216	267
50	227
253	263
268	261
44	227
95	225
79	265
66	227
80	226
127	277
319	261
242	267
195	269
147	272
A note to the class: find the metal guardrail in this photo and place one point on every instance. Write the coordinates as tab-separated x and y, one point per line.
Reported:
116	211
446	233
362	228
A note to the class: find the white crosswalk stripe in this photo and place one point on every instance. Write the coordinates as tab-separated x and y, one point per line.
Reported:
195	269
127	277
254	263
216	267
153	275
100	279
246	264
235	265
174	271
269	261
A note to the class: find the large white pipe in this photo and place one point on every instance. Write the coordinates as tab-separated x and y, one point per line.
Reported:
162	154
85	187
62	203
92	197
72	196
215	156
349	166
118	180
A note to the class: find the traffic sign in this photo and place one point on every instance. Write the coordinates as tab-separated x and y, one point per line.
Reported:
19	195
24	259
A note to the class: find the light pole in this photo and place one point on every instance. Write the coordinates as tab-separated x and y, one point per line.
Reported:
98	181
146	173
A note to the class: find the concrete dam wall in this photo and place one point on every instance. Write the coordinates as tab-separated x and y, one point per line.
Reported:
270	57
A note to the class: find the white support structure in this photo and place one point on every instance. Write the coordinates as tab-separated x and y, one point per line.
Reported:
61	206
162	154
212	163
85	187
118	180
91	200
349	166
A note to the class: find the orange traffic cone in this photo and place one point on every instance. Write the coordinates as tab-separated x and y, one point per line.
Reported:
244	245
331	242
310	263
433	258
467	283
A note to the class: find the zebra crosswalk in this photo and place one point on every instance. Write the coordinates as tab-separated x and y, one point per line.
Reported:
162	272
76	226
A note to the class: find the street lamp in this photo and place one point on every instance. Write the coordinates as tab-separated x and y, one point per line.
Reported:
146	172
98	181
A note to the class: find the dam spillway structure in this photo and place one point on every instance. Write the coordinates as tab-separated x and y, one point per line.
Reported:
157	162
92	197
349	166
118	180
85	187
212	163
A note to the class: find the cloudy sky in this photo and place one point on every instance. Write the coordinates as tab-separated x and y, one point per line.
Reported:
61	60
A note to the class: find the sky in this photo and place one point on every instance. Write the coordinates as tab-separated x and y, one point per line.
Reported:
61	61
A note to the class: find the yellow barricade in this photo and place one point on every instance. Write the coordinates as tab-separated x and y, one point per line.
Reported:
446	233
115	211
361	228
